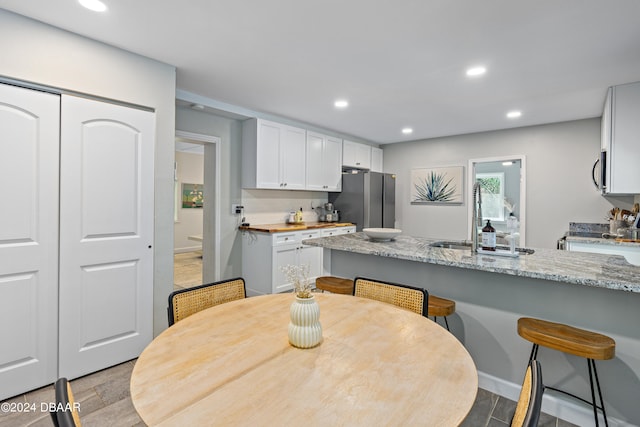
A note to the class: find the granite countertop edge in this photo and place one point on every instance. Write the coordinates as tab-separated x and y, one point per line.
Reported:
586	269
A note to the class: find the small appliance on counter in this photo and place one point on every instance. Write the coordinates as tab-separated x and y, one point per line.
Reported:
295	217
328	213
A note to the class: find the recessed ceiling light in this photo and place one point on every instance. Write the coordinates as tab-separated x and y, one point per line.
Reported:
514	114
407	131
341	103
95	5
476	71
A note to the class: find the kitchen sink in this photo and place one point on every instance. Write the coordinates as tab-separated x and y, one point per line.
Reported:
467	246
451	245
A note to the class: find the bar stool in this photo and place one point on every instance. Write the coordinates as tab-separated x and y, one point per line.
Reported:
440	307
568	339
336	285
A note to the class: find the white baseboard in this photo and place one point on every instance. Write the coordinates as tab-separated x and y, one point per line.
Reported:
559	406
187	249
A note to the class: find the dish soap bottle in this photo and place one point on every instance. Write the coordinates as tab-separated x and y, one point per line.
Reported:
488	237
299	215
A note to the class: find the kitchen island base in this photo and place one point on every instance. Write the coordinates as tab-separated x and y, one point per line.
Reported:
487	311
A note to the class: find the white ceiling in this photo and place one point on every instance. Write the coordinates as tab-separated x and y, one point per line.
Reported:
399	63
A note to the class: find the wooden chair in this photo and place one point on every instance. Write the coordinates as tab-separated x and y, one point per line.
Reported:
66	411
568	339
440	307
185	302
335	285
527	411
409	297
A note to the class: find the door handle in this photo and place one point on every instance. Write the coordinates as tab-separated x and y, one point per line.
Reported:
593	174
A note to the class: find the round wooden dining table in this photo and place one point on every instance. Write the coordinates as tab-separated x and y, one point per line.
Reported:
232	365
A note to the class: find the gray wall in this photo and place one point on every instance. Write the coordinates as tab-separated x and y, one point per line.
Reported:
559	158
41	54
230	133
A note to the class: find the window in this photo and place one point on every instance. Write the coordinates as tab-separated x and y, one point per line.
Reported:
492	189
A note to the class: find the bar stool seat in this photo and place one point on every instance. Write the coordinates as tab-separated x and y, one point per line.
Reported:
335	285
569	339
440	307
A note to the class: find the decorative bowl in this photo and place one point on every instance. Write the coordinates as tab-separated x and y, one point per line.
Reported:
381	234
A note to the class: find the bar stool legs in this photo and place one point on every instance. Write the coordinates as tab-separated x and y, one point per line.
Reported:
571	340
446	323
593	372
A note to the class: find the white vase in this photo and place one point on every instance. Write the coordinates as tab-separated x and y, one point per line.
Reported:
305	330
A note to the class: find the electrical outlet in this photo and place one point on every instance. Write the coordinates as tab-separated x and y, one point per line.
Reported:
236	209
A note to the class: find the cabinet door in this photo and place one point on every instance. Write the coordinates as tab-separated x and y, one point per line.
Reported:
315	162
283	256
332	160
356	155
311	256
29	152
363	156
268	168
624	173
349	153
106	234
293	149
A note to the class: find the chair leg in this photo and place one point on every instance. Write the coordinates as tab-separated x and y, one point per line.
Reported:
435	319
591	363
534	352
592	373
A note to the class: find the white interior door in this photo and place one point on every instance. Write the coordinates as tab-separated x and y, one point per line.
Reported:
106	234
29	132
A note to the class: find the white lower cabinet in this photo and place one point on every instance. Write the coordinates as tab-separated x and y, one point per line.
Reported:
328	232
264	254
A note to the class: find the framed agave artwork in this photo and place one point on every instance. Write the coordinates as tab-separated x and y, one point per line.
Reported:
443	185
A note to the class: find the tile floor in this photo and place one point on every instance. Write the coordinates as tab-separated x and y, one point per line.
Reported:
105	401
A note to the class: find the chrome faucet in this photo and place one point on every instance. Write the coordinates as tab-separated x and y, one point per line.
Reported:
476	220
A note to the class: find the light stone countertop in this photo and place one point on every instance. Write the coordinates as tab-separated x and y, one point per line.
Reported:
598	270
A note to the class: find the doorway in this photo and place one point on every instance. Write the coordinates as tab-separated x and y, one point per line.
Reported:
196	214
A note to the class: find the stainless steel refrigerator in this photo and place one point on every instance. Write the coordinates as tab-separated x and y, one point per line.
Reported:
367	199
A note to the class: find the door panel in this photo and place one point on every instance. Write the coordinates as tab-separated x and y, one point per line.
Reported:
375	199
314	164
293	149
333	163
106	234
268	174
389	202
29	147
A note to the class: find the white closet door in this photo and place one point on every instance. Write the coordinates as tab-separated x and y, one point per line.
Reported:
106	234
29	131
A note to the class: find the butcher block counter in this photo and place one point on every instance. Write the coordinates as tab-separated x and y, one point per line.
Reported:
284	227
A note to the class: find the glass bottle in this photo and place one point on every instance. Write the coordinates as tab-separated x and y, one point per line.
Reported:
488	237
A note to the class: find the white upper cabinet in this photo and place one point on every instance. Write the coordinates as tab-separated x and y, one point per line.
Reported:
324	162
356	155
621	139
273	155
376	159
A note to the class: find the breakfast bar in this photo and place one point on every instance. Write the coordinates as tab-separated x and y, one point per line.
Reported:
597	292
